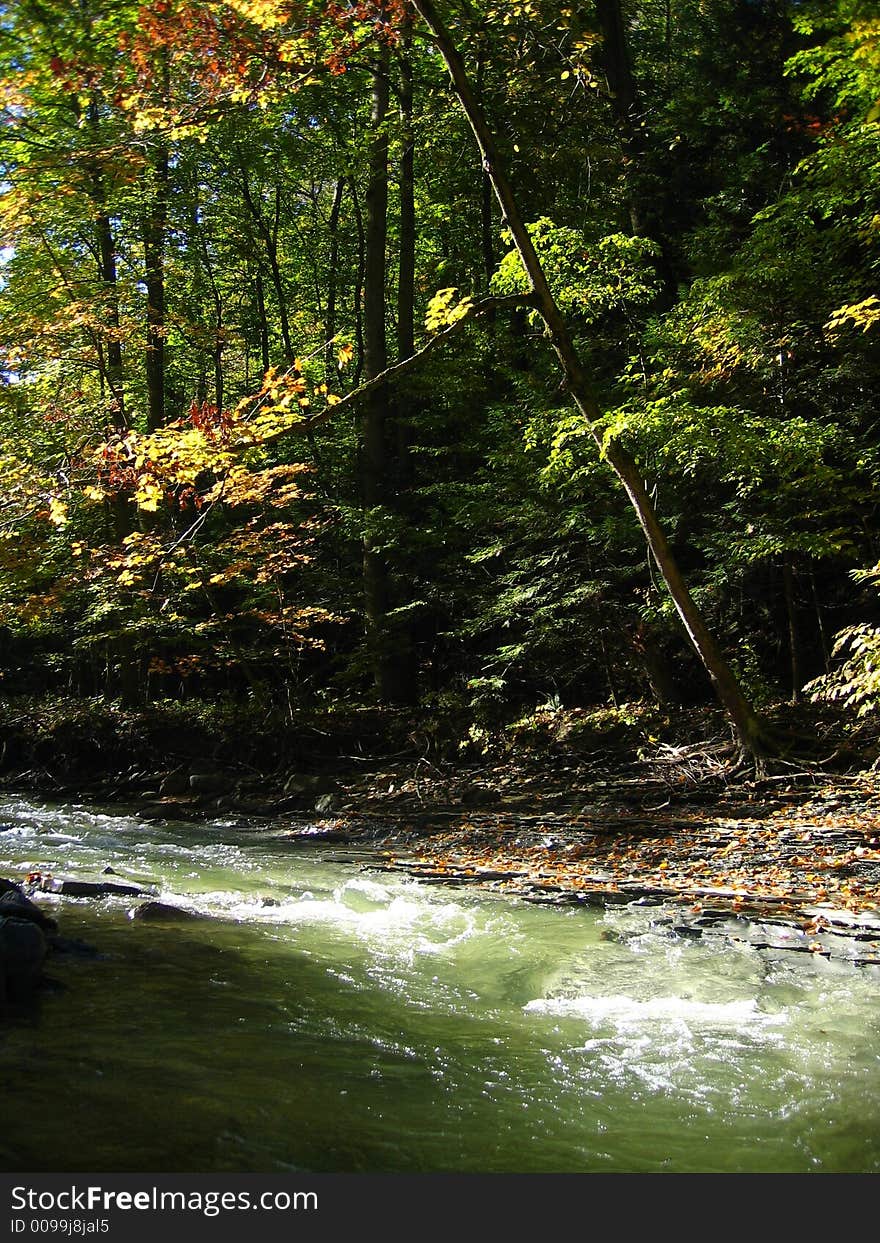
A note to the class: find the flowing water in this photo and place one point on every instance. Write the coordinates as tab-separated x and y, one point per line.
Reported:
328	1017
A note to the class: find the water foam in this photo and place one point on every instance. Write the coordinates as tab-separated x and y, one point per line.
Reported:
623	1011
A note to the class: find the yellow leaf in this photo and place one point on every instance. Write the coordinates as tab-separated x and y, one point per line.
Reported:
58	512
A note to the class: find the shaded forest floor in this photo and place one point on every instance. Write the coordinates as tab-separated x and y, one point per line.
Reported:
559	812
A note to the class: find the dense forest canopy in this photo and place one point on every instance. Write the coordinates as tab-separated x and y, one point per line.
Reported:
330	332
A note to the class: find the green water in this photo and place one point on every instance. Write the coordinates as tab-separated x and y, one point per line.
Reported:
367	1022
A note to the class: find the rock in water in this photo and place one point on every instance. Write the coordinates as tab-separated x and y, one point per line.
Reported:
22	952
161	910
89	888
14	905
165	811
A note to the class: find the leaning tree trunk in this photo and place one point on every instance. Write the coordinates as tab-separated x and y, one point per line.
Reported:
742	716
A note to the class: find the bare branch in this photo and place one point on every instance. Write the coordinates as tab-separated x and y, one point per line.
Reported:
396	370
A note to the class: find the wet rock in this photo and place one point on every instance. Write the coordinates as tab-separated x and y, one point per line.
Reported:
327	803
88	888
109	871
317	833
225	803
293	802
175	783
303	784
209	783
253	807
15	905
161	911
479	796
164	811
22	953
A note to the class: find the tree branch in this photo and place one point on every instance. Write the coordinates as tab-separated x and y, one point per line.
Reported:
394	372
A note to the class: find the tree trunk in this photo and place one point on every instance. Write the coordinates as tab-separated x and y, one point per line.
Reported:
264	323
487	241
359	282
744	720
217	349
617	63
112	372
406	276
656	666
794	648
331	373
407	263
403	406
154	226
269	235
374	418
115	380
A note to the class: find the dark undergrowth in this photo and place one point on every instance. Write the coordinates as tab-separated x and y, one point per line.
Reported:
58	742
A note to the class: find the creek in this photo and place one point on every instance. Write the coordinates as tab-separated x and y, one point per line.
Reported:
326	1016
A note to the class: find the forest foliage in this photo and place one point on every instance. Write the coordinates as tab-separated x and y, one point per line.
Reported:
227	228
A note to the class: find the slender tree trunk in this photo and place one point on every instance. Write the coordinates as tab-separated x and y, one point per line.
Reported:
487	240
617	63
115	380
794	649
403	406
609	671
406	275
120	652
264	323
111	372
742	716
656	666
217	350
331	373
407	262
269	235
374	417
359	282
820	621
154	227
